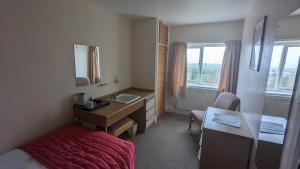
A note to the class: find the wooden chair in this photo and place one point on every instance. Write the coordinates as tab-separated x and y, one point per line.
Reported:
225	100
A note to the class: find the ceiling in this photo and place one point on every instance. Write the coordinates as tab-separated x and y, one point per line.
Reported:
178	12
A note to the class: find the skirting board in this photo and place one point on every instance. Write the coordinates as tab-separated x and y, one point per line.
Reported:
177	110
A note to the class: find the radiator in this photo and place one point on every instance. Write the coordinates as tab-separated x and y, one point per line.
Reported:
201	98
197	98
277	105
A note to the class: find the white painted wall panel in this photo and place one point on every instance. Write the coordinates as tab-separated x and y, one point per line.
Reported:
37	62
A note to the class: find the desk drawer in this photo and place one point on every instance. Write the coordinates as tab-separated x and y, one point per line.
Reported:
150	121
150	113
150	103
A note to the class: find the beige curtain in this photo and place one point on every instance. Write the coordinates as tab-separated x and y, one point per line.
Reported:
230	67
94	65
178	83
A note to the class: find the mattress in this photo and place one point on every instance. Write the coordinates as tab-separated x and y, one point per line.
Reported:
19	159
72	146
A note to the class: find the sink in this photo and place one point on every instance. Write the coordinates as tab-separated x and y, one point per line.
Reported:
124	98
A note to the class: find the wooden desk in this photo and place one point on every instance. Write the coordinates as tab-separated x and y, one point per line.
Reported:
223	146
107	116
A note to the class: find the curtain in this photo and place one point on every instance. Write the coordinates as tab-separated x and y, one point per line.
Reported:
230	67
94	65
178	82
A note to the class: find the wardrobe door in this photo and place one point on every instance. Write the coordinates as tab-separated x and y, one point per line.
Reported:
161	79
162	68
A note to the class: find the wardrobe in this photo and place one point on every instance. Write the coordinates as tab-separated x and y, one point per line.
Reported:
150	44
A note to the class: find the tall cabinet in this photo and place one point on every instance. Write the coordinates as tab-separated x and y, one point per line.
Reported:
149	58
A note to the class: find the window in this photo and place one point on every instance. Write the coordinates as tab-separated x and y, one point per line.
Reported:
274	70
283	69
204	64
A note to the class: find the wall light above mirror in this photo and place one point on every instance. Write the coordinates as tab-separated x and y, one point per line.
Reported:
87	64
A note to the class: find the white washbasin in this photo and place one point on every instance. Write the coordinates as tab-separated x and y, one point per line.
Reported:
124	98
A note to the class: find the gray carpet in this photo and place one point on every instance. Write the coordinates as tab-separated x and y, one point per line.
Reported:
168	144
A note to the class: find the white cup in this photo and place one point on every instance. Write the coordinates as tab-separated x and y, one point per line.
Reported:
90	104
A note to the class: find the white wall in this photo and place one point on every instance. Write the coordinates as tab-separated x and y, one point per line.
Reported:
37	62
252	85
289	28
210	32
144	41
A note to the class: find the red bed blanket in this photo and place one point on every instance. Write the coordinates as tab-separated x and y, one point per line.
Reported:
80	148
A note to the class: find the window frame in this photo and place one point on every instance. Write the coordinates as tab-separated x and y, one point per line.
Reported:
201	46
283	57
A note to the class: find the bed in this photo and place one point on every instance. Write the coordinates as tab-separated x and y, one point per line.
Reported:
73	147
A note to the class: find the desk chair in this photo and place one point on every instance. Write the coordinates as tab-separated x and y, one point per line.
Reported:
225	100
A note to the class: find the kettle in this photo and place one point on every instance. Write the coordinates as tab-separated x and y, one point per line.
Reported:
79	99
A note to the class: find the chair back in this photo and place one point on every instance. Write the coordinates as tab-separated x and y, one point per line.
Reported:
227	101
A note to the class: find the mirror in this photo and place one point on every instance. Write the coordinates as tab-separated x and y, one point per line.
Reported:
87	65
258	41
281	80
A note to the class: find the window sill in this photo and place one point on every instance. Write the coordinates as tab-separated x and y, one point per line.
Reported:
201	86
282	93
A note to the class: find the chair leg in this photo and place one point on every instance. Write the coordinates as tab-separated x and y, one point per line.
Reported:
132	133
190	122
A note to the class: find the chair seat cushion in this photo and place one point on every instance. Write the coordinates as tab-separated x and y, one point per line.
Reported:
198	114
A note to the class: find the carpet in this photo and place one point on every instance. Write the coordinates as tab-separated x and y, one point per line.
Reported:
168	144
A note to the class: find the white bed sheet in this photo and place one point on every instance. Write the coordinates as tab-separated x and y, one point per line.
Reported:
18	159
